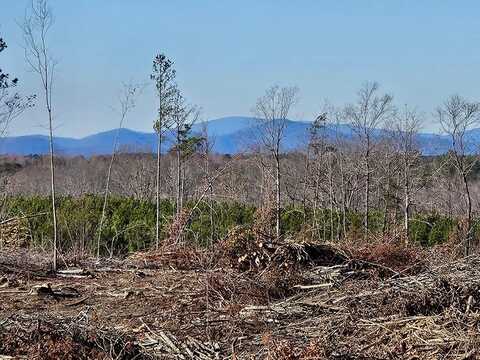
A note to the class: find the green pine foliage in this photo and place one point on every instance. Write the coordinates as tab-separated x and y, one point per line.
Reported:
129	223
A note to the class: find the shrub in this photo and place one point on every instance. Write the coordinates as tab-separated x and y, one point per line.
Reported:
129	223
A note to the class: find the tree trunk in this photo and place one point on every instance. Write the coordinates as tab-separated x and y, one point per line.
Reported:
367	194
107	190
387	197
386	208
330	185
277	194
344	199
468	240
104	207
179	178
406	213
210	197
305	183
52	183
157	196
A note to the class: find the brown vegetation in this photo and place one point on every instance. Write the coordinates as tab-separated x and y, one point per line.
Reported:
315	302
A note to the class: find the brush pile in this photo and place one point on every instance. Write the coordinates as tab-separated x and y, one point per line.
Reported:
257	248
432	315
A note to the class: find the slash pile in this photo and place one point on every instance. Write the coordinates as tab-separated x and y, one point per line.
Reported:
297	301
432	315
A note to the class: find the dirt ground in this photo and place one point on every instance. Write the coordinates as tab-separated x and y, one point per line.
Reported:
183	305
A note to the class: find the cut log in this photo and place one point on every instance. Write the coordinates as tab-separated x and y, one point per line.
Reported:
74	273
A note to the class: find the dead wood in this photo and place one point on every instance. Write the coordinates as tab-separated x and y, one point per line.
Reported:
305	302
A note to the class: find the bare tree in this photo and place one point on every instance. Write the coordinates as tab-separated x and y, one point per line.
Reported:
183	116
385	179
347	160
163	75
273	109
36	26
127	103
456	117
207	148
315	149
405	130
12	104
366	117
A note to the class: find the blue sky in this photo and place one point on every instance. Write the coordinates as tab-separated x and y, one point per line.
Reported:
228	52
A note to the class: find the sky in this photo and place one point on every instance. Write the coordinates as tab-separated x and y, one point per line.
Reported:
227	53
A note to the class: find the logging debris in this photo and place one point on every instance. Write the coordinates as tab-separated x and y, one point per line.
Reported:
323	304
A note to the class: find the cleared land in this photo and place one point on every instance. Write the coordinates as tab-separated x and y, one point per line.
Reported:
294	301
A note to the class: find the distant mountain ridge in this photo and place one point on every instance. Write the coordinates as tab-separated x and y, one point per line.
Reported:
229	135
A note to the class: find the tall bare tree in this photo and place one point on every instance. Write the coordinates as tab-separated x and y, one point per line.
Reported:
405	128
315	149
208	142
36	26
456	116
273	109
163	75
366	116
183	116
127	103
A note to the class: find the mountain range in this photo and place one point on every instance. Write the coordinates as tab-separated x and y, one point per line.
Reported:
229	135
